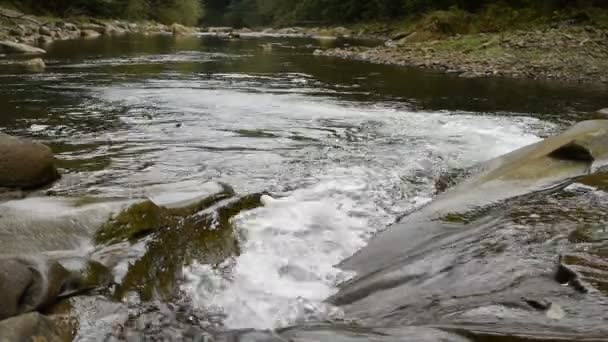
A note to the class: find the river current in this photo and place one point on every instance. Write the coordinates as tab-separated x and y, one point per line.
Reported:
341	148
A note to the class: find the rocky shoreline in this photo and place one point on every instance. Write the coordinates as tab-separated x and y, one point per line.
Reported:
569	54
23	38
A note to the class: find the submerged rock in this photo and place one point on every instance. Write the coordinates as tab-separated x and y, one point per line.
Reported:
201	233
18	48
25	164
30	284
175	234
31	327
33	65
36	225
133	223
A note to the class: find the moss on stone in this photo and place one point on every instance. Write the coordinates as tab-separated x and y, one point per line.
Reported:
132	223
202	233
589	233
455	218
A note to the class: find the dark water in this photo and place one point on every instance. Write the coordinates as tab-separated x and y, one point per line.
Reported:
345	148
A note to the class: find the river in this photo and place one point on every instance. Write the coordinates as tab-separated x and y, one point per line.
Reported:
343	148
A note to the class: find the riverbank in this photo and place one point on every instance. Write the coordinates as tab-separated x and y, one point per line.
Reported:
20	28
577	54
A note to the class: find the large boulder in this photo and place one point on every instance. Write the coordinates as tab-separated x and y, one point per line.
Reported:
31	327
25	164
27	285
18	48
505	250
554	162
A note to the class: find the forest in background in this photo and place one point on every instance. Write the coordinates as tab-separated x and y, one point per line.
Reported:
489	14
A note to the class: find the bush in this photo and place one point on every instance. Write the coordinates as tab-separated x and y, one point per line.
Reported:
452	22
137	9
187	12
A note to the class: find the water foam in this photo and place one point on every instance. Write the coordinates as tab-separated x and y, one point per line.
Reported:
339	171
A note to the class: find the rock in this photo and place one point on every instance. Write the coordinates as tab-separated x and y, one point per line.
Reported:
469	74
175	237
45	40
557	160
555	312
93	27
31	327
25	164
89	34
589	234
66	35
34	65
400	35
45	31
221	29
181	30
35	225
67	26
111	30
342	32
29	39
16	32
137	221
18	48
27	285
602	114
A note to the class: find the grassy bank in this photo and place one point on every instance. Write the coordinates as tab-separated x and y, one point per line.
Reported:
567	45
492	19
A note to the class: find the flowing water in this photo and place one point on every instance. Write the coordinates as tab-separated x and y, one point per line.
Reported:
342	148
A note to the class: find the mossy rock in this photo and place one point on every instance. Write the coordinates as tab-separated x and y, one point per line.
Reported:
132	223
589	234
146	217
591	267
204	236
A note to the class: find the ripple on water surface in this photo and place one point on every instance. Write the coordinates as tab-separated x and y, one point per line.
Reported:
338	171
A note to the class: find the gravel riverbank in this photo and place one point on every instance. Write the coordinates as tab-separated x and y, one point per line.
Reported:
570	54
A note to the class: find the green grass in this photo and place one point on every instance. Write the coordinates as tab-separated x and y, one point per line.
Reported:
493	19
